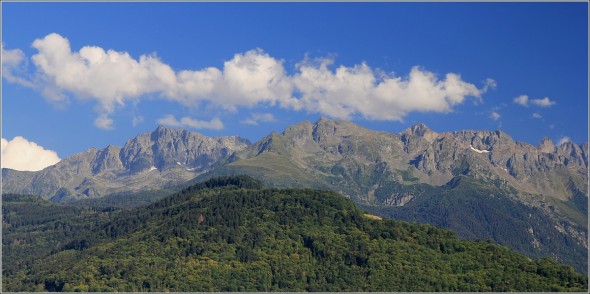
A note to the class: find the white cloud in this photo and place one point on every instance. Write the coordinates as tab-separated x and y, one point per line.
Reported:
522	100
113	78
104	122
12	61
545	102
348	91
563	140
256	118
537	115
21	154
137	120
495	116
170	120
489	84
13	57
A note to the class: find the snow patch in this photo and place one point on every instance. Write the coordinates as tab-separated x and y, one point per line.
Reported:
179	163
191	169
152	168
478	151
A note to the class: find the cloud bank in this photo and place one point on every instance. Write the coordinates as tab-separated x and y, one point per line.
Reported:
24	155
113	78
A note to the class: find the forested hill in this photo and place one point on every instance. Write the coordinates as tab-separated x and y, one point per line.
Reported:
232	234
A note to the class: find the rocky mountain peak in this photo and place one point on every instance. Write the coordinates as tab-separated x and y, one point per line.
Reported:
322	119
418	130
107	159
416	136
546	145
161	128
299	133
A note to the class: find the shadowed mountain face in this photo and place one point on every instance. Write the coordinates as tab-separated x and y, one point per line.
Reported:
481	184
160	159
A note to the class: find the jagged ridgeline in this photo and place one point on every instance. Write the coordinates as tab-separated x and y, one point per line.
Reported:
480	184
233	234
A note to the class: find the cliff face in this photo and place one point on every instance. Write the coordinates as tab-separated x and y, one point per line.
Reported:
340	153
152	160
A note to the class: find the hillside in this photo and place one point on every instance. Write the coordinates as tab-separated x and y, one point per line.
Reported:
532	199
232	234
480	184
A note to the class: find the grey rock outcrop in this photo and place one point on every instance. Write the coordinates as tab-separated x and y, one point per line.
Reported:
152	160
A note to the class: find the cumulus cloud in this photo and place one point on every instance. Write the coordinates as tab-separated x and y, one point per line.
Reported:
347	91
537	115
524	101
256	118
113	78
495	116
24	155
170	120
563	140
545	102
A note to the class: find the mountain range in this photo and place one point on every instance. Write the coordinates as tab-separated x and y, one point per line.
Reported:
159	159
480	184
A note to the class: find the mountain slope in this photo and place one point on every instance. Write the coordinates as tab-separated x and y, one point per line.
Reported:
231	234
394	175
151	161
477	211
387	172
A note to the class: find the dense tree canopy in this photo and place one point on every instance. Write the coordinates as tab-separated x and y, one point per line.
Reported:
232	234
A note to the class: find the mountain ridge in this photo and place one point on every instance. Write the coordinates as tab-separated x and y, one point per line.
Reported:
177	155
391	174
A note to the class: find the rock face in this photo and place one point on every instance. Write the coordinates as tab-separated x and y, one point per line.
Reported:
153	160
351	159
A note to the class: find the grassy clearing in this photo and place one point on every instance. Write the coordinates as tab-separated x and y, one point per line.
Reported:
370	216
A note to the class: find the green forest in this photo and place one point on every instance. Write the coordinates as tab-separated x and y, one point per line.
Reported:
233	234
482	211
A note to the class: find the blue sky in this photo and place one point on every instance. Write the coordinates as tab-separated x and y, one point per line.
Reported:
82	75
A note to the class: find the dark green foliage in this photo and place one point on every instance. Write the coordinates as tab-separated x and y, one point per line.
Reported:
230	235
33	228
239	181
124	199
476	211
